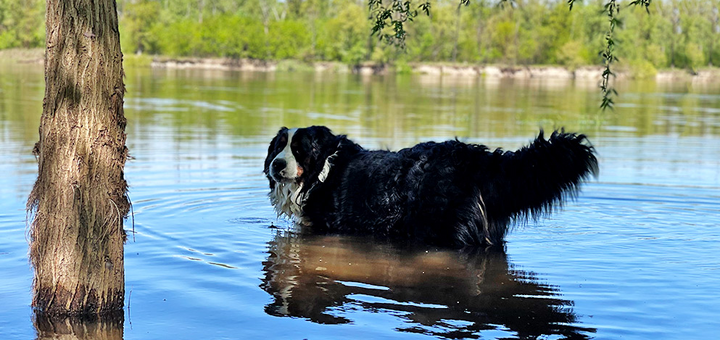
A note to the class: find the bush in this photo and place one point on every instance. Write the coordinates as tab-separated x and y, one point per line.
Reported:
402	67
137	60
345	37
642	69
656	56
695	56
287	38
293	66
571	54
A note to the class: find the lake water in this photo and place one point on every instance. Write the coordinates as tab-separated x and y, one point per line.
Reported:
635	257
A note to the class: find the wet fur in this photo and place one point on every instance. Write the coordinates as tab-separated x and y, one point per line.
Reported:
287	199
448	194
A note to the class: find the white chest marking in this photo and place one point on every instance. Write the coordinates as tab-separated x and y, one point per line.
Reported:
287	200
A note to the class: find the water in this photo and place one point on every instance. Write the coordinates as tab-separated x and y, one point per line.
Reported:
635	257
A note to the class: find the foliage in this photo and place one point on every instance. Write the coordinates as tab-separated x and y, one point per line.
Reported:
675	33
346	36
612	9
137	60
571	54
642	69
138	20
22	23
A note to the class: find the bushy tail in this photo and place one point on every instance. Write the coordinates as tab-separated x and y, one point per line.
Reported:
535	179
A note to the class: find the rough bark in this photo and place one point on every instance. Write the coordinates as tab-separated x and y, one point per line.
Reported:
79	200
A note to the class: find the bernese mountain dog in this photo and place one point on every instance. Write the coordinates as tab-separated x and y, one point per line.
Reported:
446	194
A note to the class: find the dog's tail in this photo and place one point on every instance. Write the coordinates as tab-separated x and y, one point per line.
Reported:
535	179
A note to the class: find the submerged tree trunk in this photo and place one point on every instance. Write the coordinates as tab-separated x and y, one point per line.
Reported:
79	200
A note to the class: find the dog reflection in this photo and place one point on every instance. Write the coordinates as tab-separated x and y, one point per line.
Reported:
443	293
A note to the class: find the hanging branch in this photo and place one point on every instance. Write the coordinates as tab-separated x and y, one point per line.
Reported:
501	3
395	15
611	9
642	3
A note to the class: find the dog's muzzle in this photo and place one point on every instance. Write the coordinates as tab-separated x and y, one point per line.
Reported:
277	169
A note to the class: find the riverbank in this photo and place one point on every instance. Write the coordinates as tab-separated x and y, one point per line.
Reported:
23	55
589	73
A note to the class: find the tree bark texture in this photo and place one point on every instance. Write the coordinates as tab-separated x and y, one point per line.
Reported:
79	200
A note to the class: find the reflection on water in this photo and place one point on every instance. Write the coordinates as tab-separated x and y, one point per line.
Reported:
399	110
437	292
108	328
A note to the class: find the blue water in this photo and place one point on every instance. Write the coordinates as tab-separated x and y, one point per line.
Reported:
634	257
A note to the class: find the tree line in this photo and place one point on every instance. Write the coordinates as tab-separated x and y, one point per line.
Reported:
683	34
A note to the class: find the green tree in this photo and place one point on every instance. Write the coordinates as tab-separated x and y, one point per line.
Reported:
677	33
139	19
21	23
345	36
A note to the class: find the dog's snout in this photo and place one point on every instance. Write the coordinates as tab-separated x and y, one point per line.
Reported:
278	165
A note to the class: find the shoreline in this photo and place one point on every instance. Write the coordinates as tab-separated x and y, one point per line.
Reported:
553	72
583	73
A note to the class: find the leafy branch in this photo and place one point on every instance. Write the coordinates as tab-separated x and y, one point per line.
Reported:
395	15
399	12
642	3
502	3
611	9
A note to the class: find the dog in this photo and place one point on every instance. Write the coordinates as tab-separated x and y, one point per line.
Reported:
450	194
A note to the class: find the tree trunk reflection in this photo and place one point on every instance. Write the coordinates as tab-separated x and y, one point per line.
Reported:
108	327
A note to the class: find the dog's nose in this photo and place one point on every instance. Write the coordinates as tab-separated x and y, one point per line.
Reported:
278	165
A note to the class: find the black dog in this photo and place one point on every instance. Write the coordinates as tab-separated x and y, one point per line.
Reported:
448	194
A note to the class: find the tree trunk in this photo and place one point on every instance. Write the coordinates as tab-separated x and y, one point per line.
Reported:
80	199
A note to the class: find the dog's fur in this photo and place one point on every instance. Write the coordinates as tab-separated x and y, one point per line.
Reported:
447	194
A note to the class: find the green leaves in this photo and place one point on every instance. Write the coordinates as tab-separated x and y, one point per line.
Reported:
611	9
571	3
22	23
642	3
503	3
393	16
425	7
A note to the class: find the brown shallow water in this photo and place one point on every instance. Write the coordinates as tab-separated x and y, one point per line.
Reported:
635	257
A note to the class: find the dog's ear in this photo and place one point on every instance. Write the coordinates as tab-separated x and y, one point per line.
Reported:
323	140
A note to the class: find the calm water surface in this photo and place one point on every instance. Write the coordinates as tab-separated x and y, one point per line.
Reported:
635	257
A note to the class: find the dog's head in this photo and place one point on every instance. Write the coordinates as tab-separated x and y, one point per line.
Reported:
300	155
